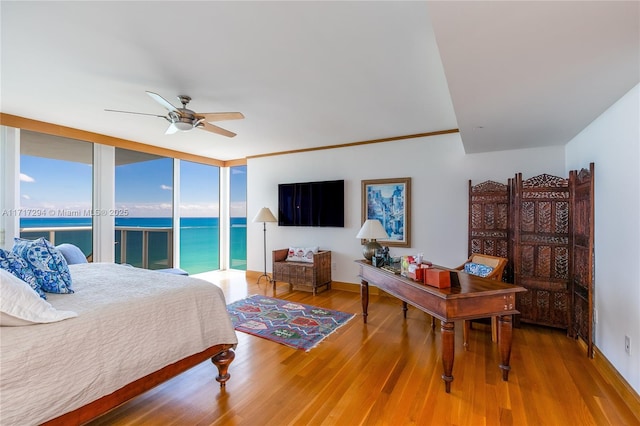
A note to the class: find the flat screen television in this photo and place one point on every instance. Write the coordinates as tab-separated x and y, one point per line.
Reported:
311	204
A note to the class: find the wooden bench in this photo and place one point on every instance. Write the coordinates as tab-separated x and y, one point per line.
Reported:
302	275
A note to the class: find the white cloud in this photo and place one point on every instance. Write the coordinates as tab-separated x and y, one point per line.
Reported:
238	209
199	210
150	207
146	210
26	178
166	187
26	197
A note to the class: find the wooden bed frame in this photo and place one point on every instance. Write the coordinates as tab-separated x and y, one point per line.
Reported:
220	355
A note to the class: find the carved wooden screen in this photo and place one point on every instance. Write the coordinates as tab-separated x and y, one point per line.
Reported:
511	235
542	249
581	187
489	220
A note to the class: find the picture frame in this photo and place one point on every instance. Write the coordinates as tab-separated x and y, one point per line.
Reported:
389	201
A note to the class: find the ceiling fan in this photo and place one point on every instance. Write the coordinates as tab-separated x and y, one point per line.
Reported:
183	119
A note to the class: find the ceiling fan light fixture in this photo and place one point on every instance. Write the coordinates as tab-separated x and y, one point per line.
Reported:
183	126
184	119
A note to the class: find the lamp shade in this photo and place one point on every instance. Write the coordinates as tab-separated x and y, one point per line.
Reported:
265	215
372	230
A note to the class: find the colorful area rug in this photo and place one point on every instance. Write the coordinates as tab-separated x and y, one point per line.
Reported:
292	324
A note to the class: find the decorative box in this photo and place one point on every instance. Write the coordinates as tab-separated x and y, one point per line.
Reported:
404	265
437	277
415	272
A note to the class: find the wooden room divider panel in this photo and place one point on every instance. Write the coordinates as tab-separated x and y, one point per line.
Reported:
542	249
544	225
581	185
489	221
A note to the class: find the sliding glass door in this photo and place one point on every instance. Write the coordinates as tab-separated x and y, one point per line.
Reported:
144	193
56	190
199	217
238	218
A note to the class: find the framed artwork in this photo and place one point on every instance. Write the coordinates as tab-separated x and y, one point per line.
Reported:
389	201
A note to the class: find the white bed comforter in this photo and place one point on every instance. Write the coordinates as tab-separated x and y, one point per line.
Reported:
131	322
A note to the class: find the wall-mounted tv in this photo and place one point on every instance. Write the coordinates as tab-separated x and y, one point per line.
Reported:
311	204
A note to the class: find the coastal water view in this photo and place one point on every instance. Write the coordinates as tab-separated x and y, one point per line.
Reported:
56	201
199	240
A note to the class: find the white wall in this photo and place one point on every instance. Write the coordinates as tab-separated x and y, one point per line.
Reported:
104	190
612	142
440	172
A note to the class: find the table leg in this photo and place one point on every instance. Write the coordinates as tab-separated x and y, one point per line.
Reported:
505	334
448	340
364	295
405	308
465	334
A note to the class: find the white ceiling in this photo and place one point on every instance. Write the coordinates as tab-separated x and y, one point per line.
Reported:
308	74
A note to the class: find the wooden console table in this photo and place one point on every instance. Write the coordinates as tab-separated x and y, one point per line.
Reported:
475	297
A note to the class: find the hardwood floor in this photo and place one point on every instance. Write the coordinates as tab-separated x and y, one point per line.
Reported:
386	372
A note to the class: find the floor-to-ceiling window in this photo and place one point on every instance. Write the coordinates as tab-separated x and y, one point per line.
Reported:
199	217
56	188
56	179
238	218
144	195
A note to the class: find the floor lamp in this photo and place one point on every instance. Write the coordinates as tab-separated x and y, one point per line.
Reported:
264	216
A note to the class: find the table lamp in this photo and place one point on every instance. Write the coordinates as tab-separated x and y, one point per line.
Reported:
371	230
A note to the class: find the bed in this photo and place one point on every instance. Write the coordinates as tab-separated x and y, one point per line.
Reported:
134	329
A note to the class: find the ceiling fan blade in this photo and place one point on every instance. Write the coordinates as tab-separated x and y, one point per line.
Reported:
220	116
162	101
215	129
171	129
139	113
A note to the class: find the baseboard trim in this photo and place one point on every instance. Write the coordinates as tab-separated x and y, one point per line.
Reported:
622	387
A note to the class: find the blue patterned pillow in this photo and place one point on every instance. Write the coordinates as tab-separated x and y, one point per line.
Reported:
477	269
18	266
47	263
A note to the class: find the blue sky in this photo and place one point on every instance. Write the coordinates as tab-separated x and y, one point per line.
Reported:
143	189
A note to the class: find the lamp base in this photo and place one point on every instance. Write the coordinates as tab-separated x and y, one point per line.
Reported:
369	249
265	275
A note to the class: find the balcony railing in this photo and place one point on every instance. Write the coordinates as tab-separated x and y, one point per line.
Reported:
149	248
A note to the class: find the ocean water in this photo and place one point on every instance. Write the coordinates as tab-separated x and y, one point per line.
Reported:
199	241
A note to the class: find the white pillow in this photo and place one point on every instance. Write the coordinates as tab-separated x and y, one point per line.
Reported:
21	305
301	254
